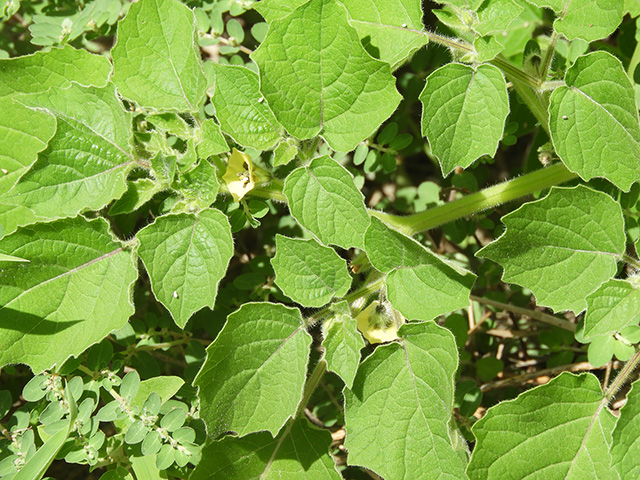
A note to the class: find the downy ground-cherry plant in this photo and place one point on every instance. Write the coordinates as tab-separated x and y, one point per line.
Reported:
319	239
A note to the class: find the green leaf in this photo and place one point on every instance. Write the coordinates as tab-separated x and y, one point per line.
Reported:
308	272
284	153
242	384
403	393
75	289
86	163
299	452
495	16
393	29
586	19
56	68
318	79
138	193
342	343
186	256
26	132
170	123
464	113
626	448
324	199
200	185
276	9
241	109
594	121
156	60
212	141
612	307
557	430
420	285
562	247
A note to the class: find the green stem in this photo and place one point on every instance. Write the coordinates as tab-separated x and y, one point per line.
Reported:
622	377
516	73
477	202
449	42
631	261
541	317
548	56
311	385
635	60
534	101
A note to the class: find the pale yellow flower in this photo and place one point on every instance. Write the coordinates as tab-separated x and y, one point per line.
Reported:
239	176
378	325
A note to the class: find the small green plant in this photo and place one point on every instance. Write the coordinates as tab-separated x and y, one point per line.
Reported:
192	285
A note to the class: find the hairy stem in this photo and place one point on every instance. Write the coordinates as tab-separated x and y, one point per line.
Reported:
539	316
477	202
623	376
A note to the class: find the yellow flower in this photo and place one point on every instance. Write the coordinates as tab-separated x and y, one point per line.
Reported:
239	176
377	324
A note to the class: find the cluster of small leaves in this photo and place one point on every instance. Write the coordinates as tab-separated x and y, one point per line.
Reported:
158	159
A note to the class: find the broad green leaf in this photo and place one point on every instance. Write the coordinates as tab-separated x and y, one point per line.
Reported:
391	28
420	285
324	199
626	444
87	160
586	19
156	60
212	141
75	289
399	410
342	344
562	247
557	430
495	16
186	256
632	7
23	132
612	307
56	68
464	113
299	452
170	123
243	386
241	109
594	121
308	272
487	48
318	79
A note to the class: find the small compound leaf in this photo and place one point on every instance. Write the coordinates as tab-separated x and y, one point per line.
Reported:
318	79
299	452
594	121
75	289
557	430
562	247
464	113
242	385
324	199
155	60
241	109
403	393
186	256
